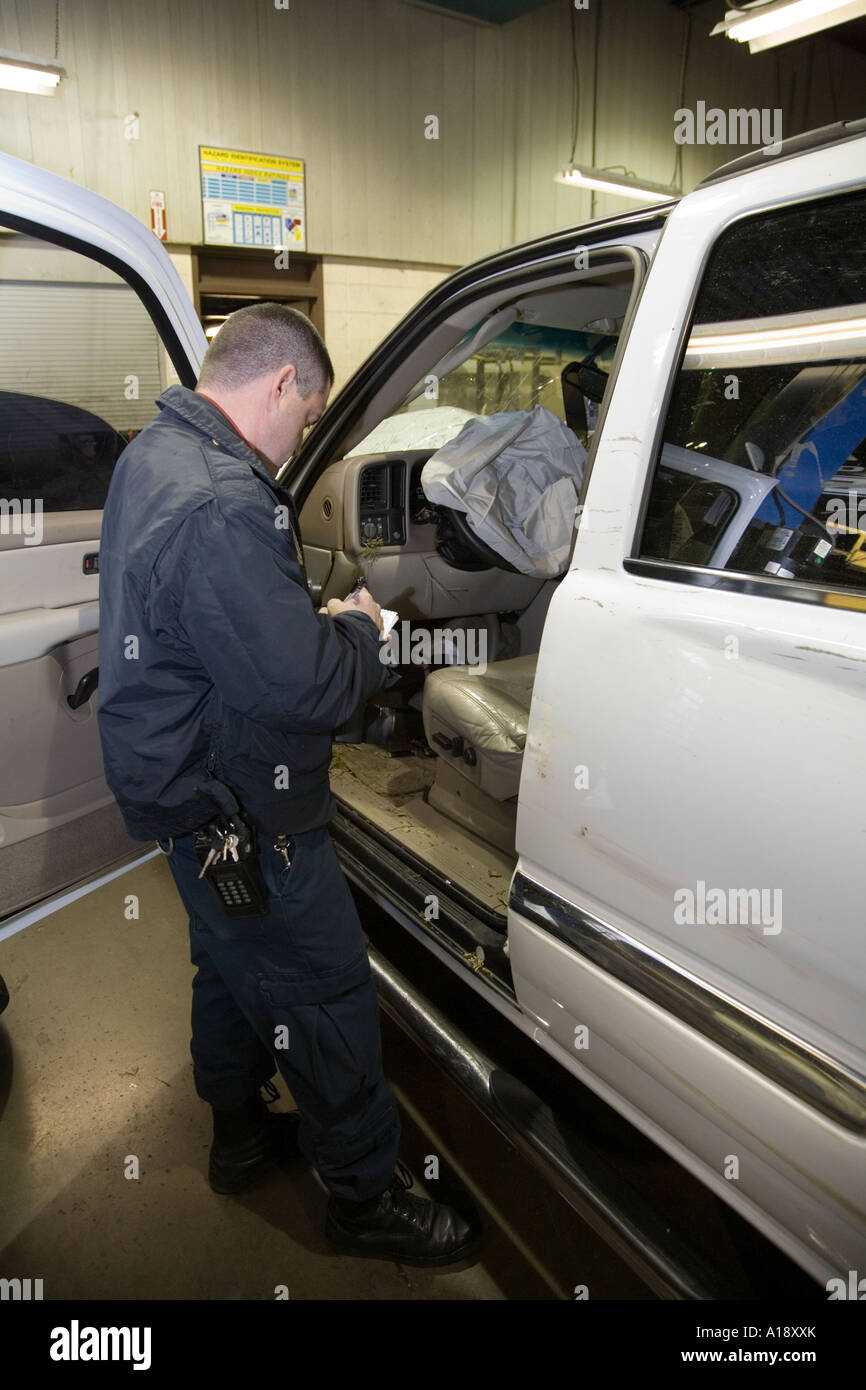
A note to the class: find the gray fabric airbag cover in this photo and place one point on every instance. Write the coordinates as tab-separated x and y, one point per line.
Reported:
517	476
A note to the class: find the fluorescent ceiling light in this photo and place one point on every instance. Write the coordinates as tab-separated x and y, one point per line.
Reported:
21	73
577	176
768	24
787	338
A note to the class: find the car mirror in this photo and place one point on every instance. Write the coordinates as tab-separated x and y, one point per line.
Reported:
593	383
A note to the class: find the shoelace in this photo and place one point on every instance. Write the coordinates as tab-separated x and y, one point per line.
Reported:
402	1179
400	1184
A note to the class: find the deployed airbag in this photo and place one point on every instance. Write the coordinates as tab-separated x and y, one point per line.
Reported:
517	477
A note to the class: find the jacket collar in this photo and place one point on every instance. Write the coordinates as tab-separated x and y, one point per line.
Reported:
204	416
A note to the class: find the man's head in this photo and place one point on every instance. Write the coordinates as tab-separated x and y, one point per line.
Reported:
270	371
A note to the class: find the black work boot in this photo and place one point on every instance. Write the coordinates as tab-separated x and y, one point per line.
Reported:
249	1141
398	1225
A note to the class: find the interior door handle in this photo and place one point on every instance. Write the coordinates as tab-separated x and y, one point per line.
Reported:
84	689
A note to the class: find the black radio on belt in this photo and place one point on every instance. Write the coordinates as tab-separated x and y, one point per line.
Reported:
226	850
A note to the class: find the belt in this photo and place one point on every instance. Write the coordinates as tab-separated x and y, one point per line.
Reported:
172	840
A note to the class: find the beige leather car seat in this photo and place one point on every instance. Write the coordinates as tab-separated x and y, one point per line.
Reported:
476	721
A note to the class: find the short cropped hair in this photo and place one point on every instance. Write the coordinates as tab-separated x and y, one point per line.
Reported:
259	339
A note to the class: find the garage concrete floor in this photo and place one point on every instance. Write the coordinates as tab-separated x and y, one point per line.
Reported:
95	1072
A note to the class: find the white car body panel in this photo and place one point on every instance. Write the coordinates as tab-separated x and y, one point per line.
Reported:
703	768
688	778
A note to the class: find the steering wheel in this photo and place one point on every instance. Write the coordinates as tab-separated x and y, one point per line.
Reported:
475	554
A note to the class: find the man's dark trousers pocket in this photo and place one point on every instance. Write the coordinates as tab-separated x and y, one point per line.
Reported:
295	988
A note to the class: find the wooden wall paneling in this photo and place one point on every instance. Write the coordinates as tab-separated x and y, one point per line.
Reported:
488	143
346	84
193	26
428	158
15	133
570	206
547	122
393	193
356	155
56	123
110	89
296	64
253	274
176	169
452	218
340	178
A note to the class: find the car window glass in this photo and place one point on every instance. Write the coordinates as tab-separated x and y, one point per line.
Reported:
768	411
79	373
527	364
522	367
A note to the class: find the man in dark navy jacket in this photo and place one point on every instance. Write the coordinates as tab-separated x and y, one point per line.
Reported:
218	678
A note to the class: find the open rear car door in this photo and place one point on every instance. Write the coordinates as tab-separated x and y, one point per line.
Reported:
94	324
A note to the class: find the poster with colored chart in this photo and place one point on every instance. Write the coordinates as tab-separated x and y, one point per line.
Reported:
252	200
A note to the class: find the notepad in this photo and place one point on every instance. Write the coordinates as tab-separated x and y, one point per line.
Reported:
389	618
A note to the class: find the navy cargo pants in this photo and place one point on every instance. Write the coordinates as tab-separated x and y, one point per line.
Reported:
301	976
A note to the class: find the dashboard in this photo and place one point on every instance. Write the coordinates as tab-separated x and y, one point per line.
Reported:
385	492
370	498
382	502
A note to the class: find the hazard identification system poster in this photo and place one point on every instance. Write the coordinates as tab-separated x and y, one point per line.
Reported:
252	199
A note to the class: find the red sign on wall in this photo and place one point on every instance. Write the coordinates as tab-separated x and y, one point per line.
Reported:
157	214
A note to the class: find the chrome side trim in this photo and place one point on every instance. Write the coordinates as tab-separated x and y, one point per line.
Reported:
662	1256
740	582
788	1061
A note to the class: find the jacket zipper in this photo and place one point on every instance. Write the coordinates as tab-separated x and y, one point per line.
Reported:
214	735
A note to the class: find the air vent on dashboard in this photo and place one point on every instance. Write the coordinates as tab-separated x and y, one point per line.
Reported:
382	503
374	488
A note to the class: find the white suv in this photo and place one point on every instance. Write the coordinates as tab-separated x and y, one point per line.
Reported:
641	837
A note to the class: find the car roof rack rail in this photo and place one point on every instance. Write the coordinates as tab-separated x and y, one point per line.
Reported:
833	134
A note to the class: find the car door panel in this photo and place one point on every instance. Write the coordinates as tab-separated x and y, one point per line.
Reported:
658	764
105	281
686	1095
52	748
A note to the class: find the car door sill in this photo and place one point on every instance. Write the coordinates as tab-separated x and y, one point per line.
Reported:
472	936
664	1256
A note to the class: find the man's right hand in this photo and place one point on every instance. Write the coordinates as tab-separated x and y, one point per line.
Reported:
363	600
